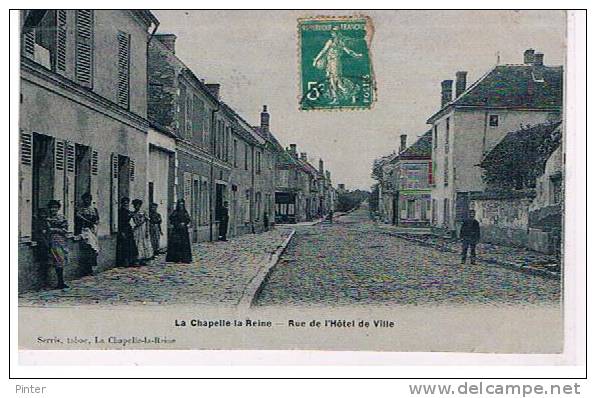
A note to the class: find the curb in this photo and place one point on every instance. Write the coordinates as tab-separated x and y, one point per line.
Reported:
508	265
254	287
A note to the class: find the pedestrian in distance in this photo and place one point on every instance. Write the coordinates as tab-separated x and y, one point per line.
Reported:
140	230
179	250
223	222
86	222
330	216
469	235
126	249
266	221
155	230
54	228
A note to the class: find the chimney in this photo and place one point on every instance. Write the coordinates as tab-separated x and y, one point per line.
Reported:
460	83
293	150
168	40
213	89
538	59
446	92
321	166
265	120
303	156
529	56
402	142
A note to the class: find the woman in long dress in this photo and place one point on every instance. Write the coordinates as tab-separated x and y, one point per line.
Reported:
155	228
140	231
54	228
87	219
126	250
179	242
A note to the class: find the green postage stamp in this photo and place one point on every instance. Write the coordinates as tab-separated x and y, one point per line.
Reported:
335	63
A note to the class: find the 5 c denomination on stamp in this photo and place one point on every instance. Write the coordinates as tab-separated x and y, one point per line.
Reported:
335	63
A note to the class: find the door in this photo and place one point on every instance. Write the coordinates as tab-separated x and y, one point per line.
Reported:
158	187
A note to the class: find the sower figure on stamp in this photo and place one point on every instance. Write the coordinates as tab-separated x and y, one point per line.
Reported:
469	235
223	222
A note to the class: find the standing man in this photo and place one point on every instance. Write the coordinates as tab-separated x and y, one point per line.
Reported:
223	222
469	235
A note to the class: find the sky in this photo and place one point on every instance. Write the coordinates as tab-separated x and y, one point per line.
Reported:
254	56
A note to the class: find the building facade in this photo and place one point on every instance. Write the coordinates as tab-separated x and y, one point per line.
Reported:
472	122
83	124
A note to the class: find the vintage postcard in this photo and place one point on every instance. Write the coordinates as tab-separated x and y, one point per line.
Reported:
174	193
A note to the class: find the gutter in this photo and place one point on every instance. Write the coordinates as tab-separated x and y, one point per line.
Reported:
211	169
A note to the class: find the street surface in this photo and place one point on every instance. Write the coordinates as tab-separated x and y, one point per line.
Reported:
352	261
355	261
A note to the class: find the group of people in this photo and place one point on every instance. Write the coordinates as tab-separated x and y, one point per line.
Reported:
137	242
139	234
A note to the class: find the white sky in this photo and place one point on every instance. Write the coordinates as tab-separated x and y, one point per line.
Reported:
254	55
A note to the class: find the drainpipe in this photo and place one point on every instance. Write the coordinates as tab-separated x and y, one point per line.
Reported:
252	189
211	170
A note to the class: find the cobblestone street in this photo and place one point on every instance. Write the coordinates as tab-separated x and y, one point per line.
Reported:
354	261
219	275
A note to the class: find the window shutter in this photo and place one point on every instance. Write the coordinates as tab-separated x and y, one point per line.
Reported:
188	117
123	69
132	169
182	112
69	186
25	185
84	48
114	193
59	175
29	43
93	183
188	189
61	41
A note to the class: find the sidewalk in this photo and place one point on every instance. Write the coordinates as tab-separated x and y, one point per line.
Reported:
221	274
515	258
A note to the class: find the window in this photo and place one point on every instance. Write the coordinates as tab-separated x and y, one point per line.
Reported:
124	70
446	171
555	190
436	136
493	120
245	156
258	162
447	135
84	48
235	153
411	209
198	108
44	40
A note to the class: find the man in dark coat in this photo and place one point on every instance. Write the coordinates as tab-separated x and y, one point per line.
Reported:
223	222
469	235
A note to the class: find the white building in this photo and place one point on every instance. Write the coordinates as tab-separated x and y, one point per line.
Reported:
472	122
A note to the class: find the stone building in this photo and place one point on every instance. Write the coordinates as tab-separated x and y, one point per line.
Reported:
83	124
413	181
471	122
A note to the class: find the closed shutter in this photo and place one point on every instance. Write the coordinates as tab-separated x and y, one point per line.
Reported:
188	117
114	194
29	43
59	163
93	182
131	169
69	186
188	189
84	48
123	69
25	185
61	41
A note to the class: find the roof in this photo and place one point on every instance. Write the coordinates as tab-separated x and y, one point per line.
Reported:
513	86
422	148
534	143
270	137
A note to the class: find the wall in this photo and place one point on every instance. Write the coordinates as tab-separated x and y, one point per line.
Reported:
502	220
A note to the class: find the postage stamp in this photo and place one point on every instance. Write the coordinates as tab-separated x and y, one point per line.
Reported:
335	63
